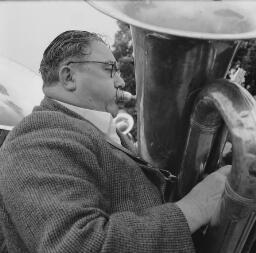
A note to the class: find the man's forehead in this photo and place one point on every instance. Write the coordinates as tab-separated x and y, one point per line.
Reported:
100	51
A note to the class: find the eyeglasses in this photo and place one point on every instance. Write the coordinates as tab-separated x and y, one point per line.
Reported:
113	70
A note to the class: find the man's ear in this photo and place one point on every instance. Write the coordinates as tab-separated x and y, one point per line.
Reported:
66	77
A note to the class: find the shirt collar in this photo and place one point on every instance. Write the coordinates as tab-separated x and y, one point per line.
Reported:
102	120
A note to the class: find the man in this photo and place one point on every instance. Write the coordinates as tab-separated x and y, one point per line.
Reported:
66	183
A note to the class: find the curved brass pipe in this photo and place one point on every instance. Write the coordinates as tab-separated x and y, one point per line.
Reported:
226	101
231	103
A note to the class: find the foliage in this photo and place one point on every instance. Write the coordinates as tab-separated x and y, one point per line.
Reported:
123	52
246	57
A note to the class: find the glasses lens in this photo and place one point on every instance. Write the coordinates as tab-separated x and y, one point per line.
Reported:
112	69
115	69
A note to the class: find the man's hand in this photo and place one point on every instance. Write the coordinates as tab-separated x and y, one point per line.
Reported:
200	204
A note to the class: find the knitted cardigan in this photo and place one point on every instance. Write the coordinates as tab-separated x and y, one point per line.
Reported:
64	188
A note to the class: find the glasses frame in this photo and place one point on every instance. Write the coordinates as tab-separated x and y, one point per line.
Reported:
115	68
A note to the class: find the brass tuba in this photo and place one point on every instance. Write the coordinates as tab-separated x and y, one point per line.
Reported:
183	50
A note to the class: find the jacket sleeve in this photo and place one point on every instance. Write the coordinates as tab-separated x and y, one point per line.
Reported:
56	206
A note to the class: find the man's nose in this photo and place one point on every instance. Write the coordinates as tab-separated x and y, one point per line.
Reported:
118	81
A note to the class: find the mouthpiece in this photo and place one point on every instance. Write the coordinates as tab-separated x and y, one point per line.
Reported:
124	97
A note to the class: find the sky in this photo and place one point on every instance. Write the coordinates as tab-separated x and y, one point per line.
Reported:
27	27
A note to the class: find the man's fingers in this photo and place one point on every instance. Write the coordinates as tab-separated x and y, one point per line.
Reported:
225	170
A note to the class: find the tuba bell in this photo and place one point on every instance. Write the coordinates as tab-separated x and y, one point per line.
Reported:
186	107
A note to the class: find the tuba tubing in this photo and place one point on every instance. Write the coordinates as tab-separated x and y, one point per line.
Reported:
223	100
231	103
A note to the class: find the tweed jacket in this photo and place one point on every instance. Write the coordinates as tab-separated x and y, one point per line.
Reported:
64	188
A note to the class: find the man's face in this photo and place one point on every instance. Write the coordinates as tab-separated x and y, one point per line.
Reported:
95	88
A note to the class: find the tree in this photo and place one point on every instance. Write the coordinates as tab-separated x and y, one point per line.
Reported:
246	56
123	52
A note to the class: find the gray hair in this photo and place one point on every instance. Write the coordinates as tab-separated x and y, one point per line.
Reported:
67	45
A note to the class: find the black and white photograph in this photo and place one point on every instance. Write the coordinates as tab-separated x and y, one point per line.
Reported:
128	126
